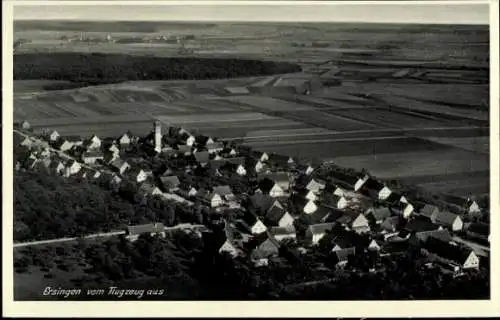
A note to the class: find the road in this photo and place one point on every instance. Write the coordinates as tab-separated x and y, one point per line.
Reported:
100	235
398	131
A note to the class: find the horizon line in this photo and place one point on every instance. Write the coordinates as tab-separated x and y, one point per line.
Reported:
258	21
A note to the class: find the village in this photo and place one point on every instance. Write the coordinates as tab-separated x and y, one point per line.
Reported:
264	199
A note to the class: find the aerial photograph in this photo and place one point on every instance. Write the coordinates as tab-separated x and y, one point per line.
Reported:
183	156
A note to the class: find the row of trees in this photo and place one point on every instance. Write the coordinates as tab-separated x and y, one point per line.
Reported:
101	68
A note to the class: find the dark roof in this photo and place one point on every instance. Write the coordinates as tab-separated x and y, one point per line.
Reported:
451	199
321	227
274	231
202	156
266	247
429	210
446	218
279	159
349	179
380	213
261	202
344	254
93	153
222	190
321	215
390	223
447	250
266	184
480	228
419	224
274	214
393	197
170	181
443	235
348	217
146	228
373	184
278	177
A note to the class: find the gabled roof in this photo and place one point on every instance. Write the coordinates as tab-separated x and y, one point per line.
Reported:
147	188
274	214
277	231
480	228
391	223
448	251
118	163
446	218
202	156
266	246
261	201
443	235
348	217
320	228
372	184
380	213
223	190
279	159
419	224
170	181
344	254
428	210
394	197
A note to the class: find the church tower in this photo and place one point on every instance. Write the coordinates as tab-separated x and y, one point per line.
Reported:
157	132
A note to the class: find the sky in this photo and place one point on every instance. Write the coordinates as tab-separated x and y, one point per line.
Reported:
372	13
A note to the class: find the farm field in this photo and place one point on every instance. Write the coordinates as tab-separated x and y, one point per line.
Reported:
413	102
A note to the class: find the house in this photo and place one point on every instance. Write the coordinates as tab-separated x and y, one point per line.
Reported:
224	191
403	209
418	238
395	197
377	215
170	183
280	160
335	202
321	214
479	231
63	145
187	191
265	248
449	220
57	167
390	225
307	194
271	188
133	232
341	257
124	140
255	165
113	149
229	247
187	139
53	136
115	180
119	166
72	167
22	125
280	178
202	157
228	152
317	231
185	150
277	216
282	233
429	211
305	169
315	185
214	147
109	157
212	199
354	221
25	142
252	224
420	224
138	175
148	189
260	203
92	157
304	205
260	156
93	143
374	189
457	256
472	206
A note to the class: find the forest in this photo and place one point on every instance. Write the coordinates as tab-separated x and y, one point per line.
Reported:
49	206
99	68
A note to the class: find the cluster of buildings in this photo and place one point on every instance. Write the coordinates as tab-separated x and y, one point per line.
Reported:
351	214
